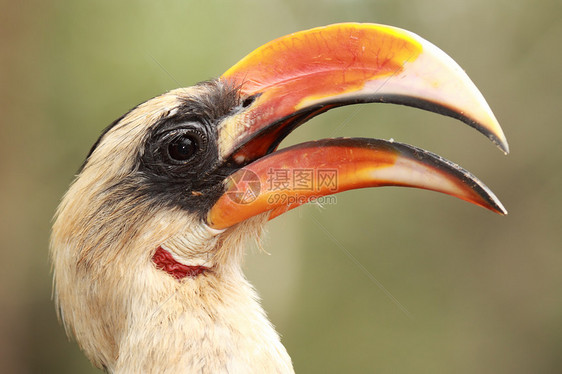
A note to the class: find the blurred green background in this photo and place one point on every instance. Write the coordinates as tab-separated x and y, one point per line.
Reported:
465	291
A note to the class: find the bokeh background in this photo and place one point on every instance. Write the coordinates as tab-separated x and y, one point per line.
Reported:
443	286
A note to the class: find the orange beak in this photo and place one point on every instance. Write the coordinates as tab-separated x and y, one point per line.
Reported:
294	78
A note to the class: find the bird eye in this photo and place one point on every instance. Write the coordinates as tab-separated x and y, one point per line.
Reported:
182	148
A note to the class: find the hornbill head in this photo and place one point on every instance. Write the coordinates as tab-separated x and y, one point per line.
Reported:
148	240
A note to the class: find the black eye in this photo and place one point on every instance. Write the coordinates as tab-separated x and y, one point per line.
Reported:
183	147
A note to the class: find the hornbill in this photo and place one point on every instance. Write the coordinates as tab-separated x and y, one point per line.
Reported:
147	243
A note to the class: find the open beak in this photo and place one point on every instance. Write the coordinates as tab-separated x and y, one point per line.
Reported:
294	78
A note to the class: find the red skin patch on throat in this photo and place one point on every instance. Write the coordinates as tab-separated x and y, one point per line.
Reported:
164	261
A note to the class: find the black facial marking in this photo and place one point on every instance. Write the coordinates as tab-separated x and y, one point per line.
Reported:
179	148
179	165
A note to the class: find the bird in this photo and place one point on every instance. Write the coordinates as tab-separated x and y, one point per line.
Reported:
148	241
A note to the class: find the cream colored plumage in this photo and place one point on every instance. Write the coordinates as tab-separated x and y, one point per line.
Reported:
170	176
127	315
